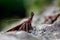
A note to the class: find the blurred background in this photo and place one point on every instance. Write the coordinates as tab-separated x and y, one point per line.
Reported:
13	10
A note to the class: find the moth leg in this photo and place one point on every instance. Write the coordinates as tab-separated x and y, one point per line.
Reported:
27	27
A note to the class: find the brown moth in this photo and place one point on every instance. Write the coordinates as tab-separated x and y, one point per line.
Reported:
57	16
52	20
25	26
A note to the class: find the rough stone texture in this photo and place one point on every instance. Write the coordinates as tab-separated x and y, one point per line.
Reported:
20	35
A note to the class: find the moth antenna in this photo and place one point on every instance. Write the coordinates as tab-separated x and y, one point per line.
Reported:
31	17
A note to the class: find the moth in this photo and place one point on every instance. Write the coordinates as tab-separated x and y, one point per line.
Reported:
25	26
51	17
